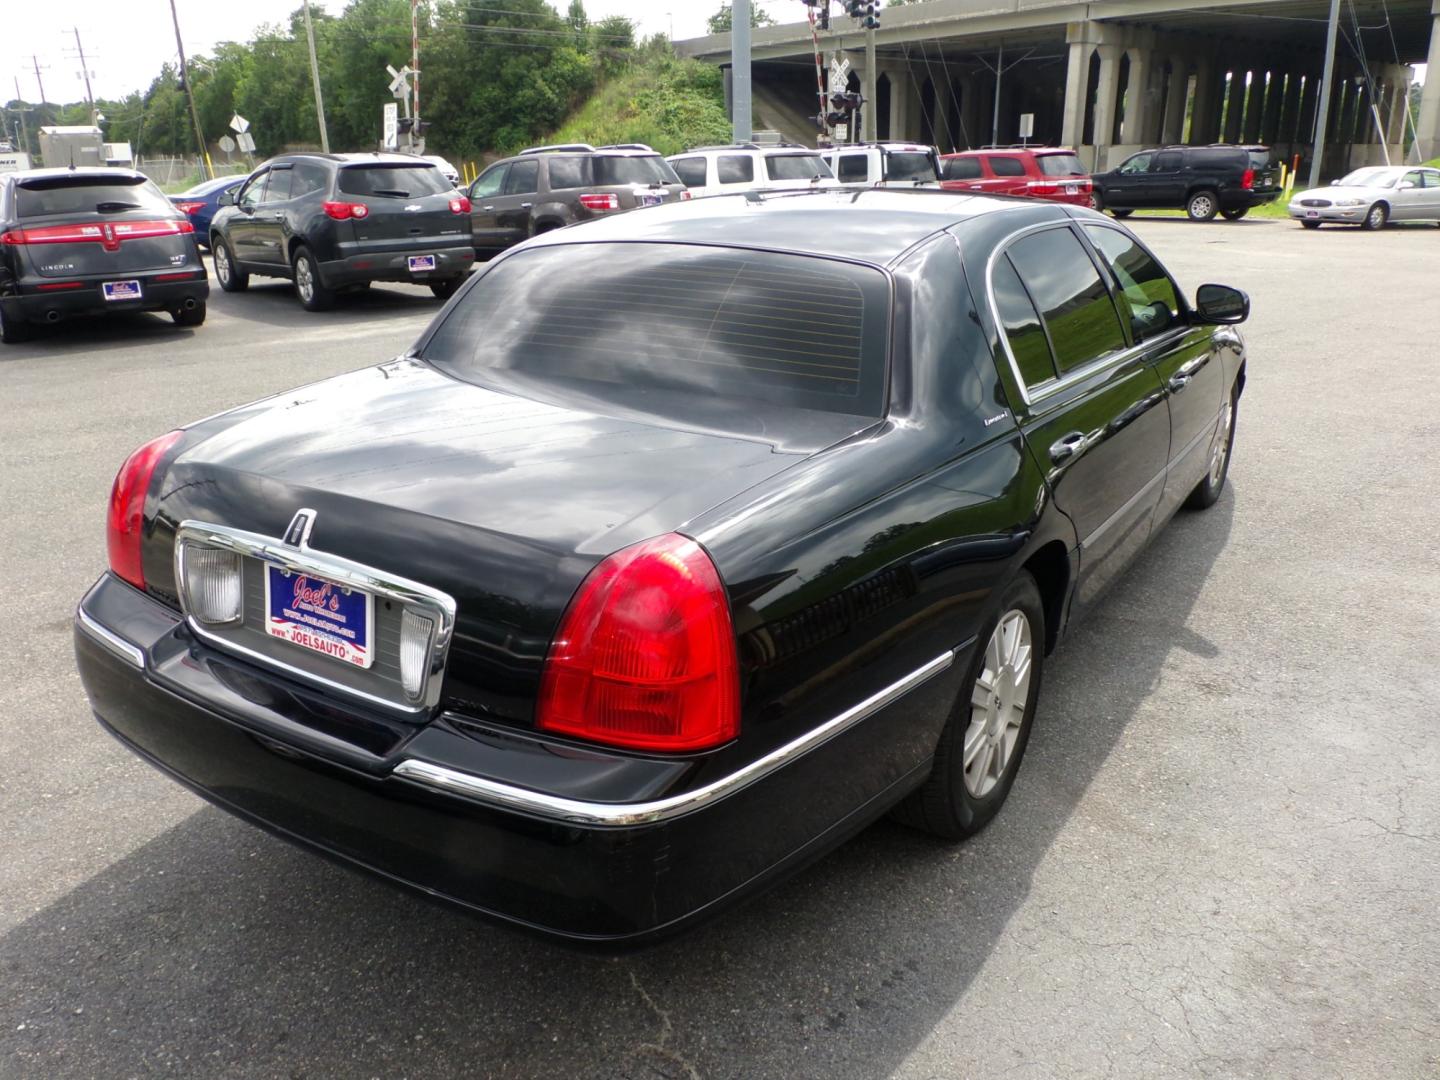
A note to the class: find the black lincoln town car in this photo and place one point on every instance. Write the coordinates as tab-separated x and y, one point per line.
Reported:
680	547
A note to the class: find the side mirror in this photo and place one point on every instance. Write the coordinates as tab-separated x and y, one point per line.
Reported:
1221	305
227	198
1334	183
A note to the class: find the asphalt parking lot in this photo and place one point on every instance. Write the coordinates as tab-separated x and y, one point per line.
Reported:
1221	857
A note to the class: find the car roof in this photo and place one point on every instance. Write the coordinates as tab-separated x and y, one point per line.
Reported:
871	225
99	171
373	157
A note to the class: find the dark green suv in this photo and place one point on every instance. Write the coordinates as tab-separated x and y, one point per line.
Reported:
1201	180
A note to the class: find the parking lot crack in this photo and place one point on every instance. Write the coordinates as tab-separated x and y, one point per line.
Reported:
660	1047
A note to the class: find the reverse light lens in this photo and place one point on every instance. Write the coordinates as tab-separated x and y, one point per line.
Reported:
416	634
126	519
598	201
212	584
645	655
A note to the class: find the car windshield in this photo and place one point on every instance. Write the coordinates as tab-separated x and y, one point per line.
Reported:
1376	177
1060	165
633	169
88	194
905	165
796	166
619	321
393	181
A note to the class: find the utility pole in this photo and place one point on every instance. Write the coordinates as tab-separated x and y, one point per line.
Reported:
34	60
20	101
1322	116
740	69
415	68
315	78
190	93
868	115
85	71
995	115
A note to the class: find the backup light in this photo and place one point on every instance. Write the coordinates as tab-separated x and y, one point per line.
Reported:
212	584
416	636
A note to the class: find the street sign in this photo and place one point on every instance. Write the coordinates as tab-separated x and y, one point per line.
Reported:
245	141
1027	125
239	124
226	143
392	126
839	75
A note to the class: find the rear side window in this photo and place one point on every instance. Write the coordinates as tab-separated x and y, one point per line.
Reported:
1070	295
1021	323
638	169
1168	161
909	166
393	181
524	178
735	168
1145	289
1060	165
796	166
81	194
962	168
566	172
852	167
1006	166
307	178
620	319
1219	157
691	171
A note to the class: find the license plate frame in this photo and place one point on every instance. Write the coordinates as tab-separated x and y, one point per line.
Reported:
120	291
1312	213
314	614
649	198
422	264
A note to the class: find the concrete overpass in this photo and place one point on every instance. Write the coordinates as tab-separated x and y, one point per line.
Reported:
1117	75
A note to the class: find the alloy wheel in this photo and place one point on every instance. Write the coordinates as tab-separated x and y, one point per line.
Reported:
1201	207
997	704
1377	216
1221	450
304	280
222	264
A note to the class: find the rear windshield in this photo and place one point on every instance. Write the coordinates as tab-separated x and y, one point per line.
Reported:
394	181
644	169
908	166
1060	165
796	166
87	195
1259	159
619	320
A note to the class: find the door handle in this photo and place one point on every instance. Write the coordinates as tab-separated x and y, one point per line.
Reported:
1227	339
1186	371
487	209
1067	446
526	205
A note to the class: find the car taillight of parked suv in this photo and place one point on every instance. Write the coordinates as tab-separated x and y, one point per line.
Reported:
1037	172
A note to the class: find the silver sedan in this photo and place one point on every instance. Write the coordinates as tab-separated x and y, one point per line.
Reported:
1371	197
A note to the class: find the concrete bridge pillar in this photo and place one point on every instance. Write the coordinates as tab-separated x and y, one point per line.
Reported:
1136	120
1255	105
1274	99
1205	115
1395	122
1427	126
902	89
1172	128
1290	111
1235	104
1105	102
1077	82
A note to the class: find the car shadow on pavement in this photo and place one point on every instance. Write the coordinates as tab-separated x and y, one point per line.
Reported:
116	330
216	950
273	303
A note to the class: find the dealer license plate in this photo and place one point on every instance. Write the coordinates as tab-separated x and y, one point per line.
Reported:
1071	189
1312	213
319	615
649	199
121	290
420	263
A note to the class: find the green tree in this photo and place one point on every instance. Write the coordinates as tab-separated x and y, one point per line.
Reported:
721	21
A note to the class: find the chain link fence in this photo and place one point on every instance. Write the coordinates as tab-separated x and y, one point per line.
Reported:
177	173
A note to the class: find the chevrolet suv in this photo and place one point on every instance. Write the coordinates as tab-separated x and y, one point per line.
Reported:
549	187
1201	180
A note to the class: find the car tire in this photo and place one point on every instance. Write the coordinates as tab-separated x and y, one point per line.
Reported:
1207	492
309	289
1202	206
446	287
1310	224
956	802
1236	214
1120	213
227	270
14	331
1376	217
189	316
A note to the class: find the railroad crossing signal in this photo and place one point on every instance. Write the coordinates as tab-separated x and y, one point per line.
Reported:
400	81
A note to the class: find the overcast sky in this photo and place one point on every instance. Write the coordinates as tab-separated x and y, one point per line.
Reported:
125	43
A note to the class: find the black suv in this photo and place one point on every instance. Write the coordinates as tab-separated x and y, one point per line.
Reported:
87	241
337	221
1201	180
548	187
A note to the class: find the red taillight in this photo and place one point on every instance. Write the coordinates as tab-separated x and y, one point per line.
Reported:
190	208
1043	187
56	286
596	201
645	655
127	507
108	234
1247	179
186	276
344	211
460	205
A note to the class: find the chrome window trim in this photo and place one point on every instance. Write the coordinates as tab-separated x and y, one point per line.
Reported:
302	557
619	815
1034	395
127	651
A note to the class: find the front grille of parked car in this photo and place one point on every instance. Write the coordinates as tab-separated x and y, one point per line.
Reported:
1314	202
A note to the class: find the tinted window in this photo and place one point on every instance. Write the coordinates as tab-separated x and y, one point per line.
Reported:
1219	157
1071	296
489	182
306	178
278	190
87	194
691	171
1146	290
1006	166
566	172
962	168
620	319
796	166
852	167
909	167
1259	159
524	178
1169	161
393	181
1137	164
1060	165
1021	324
735	168
254	190
647	169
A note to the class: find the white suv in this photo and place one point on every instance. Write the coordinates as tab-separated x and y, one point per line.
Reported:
722	170
884	163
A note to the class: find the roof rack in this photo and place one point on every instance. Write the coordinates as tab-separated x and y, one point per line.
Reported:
628	146
561	148
750	146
